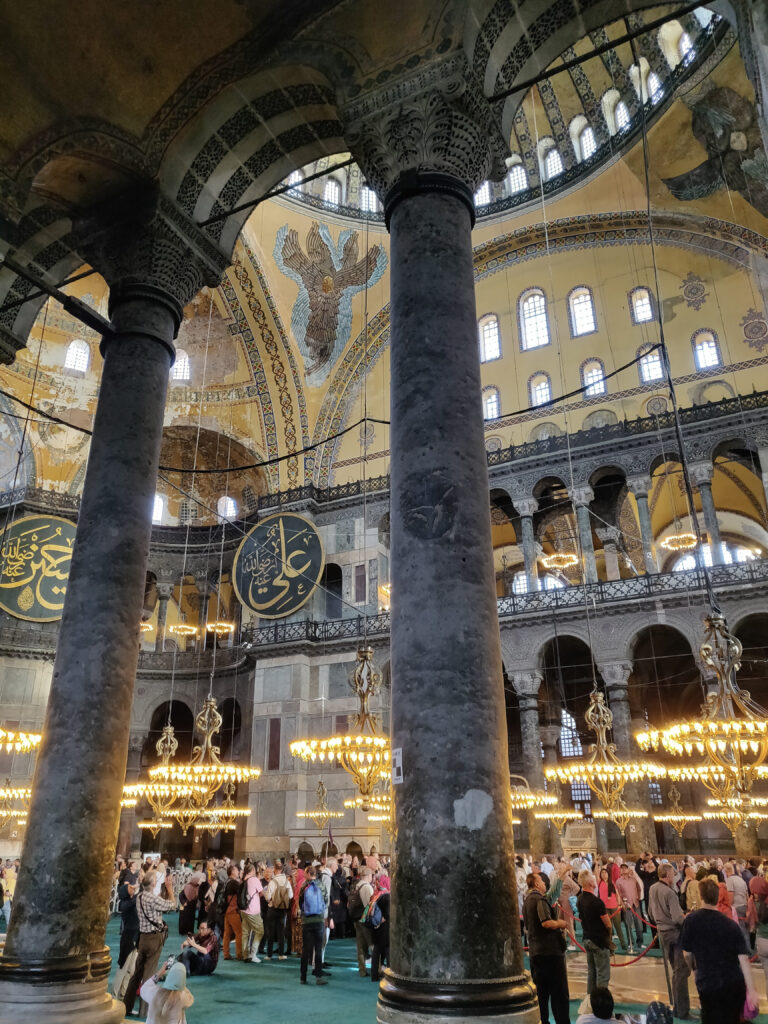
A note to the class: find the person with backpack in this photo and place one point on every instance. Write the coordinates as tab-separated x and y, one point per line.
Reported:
312	910
249	904
359	897
377	920
233	926
278	895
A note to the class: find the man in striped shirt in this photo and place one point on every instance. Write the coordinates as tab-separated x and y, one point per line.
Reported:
152	934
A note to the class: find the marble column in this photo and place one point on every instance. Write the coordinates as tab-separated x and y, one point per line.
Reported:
451	957
526	686
526	507
581	497
640	834
128	837
55	966
203	593
746	842
609	537
701	475
164	594
640	486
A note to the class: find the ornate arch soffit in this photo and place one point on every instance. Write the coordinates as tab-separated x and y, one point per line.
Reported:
730	242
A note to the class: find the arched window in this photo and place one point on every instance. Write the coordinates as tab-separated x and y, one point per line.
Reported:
655	88
517	179
650	365
520	583
737	553
294	179
540	388
553	164
593	378
534	327
641	305
686	49
621	115
491	403
550	582
581	309
180	369
369	201
570	744
158	509
78	356
483	194
187	511
332	192
490	341
587	142
250	501
706	351
226	507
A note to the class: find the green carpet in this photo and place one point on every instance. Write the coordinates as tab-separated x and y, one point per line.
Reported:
241	993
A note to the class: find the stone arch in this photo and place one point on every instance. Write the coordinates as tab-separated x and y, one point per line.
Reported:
182	720
665	678
305	851
354	849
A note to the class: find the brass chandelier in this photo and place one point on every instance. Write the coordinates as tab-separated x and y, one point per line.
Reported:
676	816
364	754
321	813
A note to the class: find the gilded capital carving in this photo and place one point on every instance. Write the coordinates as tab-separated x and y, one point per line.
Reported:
526	684
436	120
144	246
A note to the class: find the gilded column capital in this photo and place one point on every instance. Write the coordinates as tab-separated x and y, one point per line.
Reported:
425	127
147	249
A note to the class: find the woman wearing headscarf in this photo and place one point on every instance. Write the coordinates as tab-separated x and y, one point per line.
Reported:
188	903
381	934
167	996
296	926
758	888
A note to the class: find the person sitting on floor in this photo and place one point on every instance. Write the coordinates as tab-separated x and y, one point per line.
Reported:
201	953
601	1002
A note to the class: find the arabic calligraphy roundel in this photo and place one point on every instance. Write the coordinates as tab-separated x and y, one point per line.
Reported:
36	557
278	565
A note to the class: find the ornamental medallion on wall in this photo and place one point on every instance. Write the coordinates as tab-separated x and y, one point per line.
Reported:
36	557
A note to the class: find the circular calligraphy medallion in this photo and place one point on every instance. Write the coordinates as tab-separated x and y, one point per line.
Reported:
278	565
34	567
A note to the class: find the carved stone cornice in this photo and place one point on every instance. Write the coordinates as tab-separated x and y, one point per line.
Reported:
436	120
145	246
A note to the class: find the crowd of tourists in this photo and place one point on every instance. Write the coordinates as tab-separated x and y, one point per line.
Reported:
709	917
281	909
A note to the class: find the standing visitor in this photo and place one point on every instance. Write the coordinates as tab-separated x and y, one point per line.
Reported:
380	952
152	934
359	899
606	890
295	915
596	932
715	946
630	892
312	908
233	926
127	891
188	903
546	941
250	912
758	888
737	890
278	895
668	916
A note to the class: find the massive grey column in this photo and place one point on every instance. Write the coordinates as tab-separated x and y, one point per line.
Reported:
640	486
164	594
701	475
526	507
526	686
581	497
55	966
455	942
640	834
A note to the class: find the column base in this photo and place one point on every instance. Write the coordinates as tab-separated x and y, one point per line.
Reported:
66	990
408	1001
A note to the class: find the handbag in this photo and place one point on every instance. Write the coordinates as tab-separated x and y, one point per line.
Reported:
750	1010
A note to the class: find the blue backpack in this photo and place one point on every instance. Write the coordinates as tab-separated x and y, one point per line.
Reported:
313	903
372	915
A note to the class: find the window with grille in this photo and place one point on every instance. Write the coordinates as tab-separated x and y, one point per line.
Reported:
706	351
686	49
520	583
78	356
226	507
582	308
588	142
581	795
369	202
181	369
187	511
294	180
359	584
158	508
621	116
655	88
534	325
491	406
517	179
553	165
550	582
570	744
483	194
541	389
642	305
654	794
650	367
593	378
250	501
332	192
490	342
342	724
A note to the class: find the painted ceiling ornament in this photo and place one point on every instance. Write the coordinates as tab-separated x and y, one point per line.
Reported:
726	125
755	329
328	275
694	291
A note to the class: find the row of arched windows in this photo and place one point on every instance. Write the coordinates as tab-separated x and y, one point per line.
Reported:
78	358
706	353
226	508
533	318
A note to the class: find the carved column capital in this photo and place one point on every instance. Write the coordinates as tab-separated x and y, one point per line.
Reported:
582	495
526	506
608	534
616	675
639	485
701	473
146	248
436	122
165	591
526	684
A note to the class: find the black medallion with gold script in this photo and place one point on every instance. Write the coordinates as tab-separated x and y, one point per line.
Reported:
35	557
278	565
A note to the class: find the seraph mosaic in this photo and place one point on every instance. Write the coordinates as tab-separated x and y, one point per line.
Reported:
328	274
